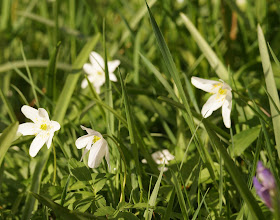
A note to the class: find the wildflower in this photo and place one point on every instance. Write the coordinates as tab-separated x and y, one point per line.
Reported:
97	145
42	128
95	70
161	157
221	97
264	184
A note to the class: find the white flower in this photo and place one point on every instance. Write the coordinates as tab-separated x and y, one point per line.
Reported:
42	128
161	157
95	71
97	145
221	97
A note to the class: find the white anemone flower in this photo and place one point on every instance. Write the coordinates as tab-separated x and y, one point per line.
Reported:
97	145
41	127
222	97
95	70
161	157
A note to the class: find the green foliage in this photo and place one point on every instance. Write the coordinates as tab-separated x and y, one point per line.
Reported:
152	106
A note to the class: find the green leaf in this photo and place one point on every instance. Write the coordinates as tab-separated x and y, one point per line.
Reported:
71	81
51	73
243	140
6	139
8	107
64	192
180	195
159	77
79	170
125	216
235	174
271	87
35	184
152	201
170	65
106	210
61	211
210	55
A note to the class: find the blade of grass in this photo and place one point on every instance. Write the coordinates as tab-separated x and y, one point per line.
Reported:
61	211
235	174
8	107
136	19
35	184
137	42
71	81
51	74
159	77
20	93
96	96
30	77
199	206
131	134
152	201
6	139
170	65
179	195
210	55
271	87
169	208
274	56
4	68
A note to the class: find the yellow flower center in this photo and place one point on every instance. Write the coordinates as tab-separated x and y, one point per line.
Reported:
222	91
99	73
44	127
95	138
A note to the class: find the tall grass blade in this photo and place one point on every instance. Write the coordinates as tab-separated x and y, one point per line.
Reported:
132	135
271	87
152	202
35	184
71	81
51	73
235	174
6	139
61	211
179	195
170	65
8	107
210	55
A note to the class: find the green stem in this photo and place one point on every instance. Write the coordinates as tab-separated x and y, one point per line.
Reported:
54	164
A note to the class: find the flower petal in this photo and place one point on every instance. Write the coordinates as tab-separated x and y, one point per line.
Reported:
226	109
28	128
97	89
85	152
49	141
168	155
30	113
96	61
213	103
113	77
112	65
43	114
206	85
81	142
38	143
55	125
97	152
89	69
91	132
84	84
